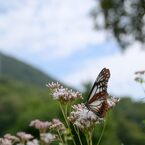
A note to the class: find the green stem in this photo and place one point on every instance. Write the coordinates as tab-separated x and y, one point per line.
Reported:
60	138
101	133
65	139
78	133
66	113
90	138
65	118
70	107
87	138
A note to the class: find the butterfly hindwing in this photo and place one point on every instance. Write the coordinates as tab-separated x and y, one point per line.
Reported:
97	98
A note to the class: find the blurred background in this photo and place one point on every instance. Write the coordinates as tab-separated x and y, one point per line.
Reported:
70	41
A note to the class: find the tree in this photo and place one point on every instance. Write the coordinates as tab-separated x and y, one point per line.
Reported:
125	19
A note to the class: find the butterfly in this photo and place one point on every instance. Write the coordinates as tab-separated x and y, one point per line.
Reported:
97	100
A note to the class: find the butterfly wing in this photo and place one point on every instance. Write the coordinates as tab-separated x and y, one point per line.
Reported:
100	108
98	94
100	84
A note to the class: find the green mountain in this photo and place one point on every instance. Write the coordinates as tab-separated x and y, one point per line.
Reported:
23	95
12	68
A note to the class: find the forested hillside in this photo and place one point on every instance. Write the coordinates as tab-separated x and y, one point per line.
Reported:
12	68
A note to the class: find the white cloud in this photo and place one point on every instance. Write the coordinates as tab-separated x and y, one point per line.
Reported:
41	27
122	67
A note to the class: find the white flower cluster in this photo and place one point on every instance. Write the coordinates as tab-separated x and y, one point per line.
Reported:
41	125
4	141
83	118
53	86
24	136
55	125
62	94
47	138
58	126
9	139
33	142
140	76
112	101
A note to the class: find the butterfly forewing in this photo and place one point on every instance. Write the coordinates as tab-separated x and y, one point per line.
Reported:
100	84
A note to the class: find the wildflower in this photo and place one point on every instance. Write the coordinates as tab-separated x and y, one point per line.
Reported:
140	72
11	138
83	118
86	119
53	86
64	95
112	101
42	126
33	142
58	126
5	141
24	136
140	77
47	137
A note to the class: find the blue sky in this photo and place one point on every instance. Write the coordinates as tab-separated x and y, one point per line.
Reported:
58	37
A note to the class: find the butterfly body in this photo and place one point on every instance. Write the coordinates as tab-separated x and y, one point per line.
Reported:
97	100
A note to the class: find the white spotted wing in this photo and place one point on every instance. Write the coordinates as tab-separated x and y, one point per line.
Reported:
98	93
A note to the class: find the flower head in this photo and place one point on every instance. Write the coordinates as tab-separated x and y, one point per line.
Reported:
53	86
140	76
33	142
83	118
12	138
64	95
24	136
58	126
112	101
47	138
5	141
41	125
